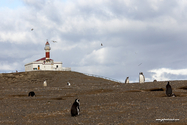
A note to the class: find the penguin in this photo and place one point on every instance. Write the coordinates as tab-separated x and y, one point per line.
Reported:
68	84
45	83
173	95
31	94
169	90
127	80
75	108
141	77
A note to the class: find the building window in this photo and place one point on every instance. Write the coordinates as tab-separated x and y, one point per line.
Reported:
56	66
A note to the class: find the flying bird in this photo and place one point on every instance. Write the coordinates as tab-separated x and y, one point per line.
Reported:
101	44
32	29
140	64
54	41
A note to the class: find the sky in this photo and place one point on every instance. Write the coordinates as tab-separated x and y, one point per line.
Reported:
146	36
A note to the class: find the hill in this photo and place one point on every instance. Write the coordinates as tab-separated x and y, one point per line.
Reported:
102	101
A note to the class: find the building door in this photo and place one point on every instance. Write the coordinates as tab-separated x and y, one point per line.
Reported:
38	67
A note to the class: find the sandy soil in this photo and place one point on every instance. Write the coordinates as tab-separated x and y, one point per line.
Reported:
102	101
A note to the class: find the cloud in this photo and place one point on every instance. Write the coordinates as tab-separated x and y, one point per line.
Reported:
165	74
9	67
132	32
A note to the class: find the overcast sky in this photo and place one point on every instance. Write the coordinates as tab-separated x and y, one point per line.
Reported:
148	36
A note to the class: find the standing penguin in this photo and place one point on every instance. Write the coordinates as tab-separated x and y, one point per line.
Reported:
45	83
75	108
141	77
168	90
127	80
68	83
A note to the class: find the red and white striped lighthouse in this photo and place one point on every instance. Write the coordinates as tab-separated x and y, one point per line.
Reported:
47	51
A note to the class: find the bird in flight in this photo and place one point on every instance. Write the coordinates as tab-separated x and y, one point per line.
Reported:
54	41
32	29
140	64
101	44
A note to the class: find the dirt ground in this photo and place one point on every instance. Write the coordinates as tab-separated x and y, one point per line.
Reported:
102	101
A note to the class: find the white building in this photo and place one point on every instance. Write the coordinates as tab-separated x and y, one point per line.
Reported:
46	63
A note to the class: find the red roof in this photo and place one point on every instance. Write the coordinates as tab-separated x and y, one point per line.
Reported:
44	58
47	43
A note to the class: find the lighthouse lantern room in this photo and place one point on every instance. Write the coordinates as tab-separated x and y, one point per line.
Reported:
46	63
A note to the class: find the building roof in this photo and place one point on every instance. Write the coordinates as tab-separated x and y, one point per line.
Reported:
47	43
44	58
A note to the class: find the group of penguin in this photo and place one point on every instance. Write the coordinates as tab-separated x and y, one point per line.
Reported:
141	78
75	107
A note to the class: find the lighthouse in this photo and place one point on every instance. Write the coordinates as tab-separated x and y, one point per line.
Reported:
47	49
46	63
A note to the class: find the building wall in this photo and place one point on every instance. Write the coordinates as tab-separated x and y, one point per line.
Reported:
57	66
28	67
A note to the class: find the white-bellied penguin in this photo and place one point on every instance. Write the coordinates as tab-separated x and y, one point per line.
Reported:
68	83
141	77
75	108
45	83
127	80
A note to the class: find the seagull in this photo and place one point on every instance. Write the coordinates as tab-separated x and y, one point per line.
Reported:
101	44
54	41
32	29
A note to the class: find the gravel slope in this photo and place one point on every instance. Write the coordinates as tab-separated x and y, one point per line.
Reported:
102	101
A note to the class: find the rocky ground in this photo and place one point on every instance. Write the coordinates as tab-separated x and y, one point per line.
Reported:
102	101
